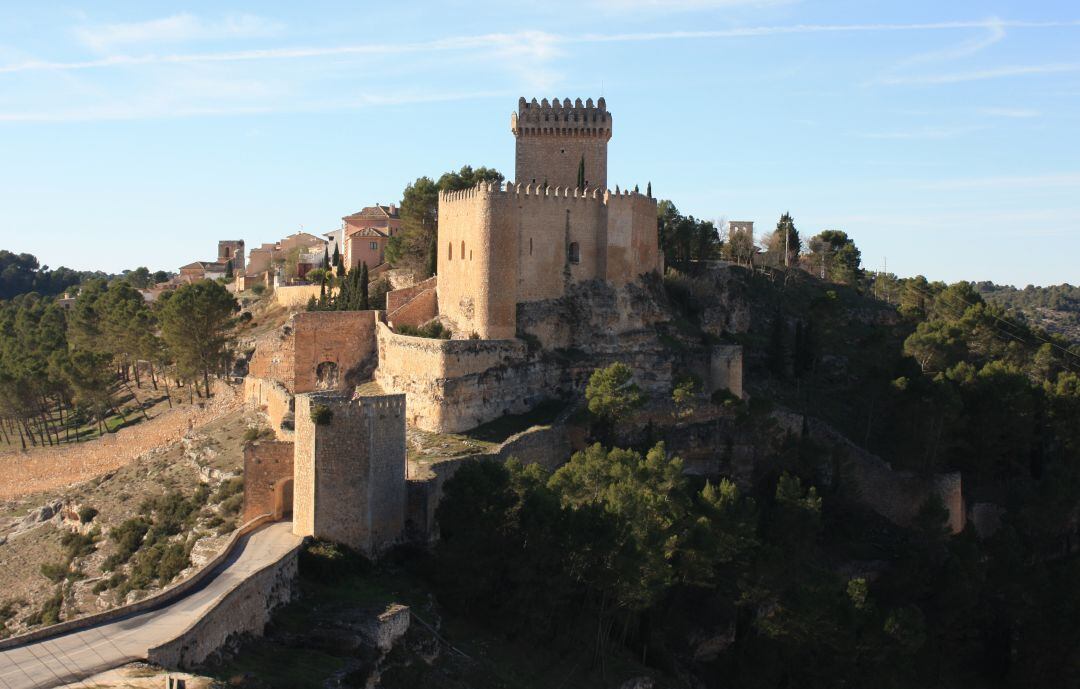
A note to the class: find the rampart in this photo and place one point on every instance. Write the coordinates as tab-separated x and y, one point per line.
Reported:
438	375
271	398
268	479
295	296
548	446
246	608
349	469
397	298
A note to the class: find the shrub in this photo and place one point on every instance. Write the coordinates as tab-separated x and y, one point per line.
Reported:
87	514
55	571
321	414
229	488
128	537
174	559
76	544
232	505
433	330
258	290
50	610
255	433
326	562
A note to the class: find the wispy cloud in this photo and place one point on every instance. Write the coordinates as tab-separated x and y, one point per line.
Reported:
166	108
485	41
683	5
995	33
920	133
981	75
1011	113
175	29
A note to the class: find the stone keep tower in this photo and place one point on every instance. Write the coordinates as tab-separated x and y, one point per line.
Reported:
553	138
232	250
349	469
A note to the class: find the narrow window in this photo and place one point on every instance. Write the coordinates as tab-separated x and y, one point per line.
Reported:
470	254
374	246
450	251
530	246
462	249
573	253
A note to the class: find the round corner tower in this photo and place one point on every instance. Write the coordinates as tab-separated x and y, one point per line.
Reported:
555	140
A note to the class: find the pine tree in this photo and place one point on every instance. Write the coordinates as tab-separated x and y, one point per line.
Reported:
581	173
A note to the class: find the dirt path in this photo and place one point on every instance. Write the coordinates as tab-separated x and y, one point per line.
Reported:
48	468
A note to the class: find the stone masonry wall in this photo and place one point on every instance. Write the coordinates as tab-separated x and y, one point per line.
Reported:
271	398
420	310
266	465
245	609
350	470
397	298
548	446
295	296
343	339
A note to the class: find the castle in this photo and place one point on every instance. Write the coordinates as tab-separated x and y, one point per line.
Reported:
558	225
341	387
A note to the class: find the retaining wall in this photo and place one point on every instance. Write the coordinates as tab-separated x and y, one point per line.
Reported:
271	398
153	602
246	608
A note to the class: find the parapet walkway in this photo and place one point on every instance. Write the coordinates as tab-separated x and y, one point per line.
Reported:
77	655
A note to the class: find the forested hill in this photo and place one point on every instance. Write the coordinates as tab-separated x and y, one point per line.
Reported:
1055	308
22	274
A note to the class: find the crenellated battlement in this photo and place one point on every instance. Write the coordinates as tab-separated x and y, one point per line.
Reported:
561	118
535	192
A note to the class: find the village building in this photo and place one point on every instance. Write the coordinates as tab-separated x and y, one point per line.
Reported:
366	233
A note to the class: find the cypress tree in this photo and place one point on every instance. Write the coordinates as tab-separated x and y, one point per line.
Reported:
229	269
363	305
337	256
648	190
325	259
433	256
581	173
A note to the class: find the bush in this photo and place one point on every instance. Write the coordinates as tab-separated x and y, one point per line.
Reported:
232	505
50	610
128	537
326	562
55	571
87	514
433	330
321	414
258	290
229	488
77	545
174	559
256	433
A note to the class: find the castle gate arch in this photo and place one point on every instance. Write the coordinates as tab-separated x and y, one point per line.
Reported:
283	498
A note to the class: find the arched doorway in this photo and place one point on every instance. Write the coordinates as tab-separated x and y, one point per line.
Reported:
326	376
283	499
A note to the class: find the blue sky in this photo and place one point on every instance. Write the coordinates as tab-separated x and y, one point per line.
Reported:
942	136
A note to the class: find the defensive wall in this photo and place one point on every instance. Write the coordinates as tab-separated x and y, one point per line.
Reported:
397	298
422	308
271	398
295	296
317	350
502	245
349	469
896	495
246	608
268	479
548	446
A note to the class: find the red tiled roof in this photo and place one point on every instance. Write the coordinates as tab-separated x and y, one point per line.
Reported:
376	211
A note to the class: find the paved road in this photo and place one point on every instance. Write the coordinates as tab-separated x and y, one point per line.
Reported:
81	654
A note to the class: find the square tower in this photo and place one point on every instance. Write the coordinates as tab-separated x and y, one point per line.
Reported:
349	464
555	139
232	250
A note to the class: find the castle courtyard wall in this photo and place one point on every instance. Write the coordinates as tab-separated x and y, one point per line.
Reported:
397	298
343	338
423	307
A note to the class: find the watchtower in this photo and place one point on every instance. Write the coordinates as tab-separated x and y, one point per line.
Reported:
553	139
232	250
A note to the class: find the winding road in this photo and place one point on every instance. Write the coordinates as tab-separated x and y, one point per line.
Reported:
79	654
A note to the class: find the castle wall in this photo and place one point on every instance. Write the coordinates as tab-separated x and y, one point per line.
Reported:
274	400
266	465
420	310
631	242
295	296
438	376
345	339
397	298
350	471
726	369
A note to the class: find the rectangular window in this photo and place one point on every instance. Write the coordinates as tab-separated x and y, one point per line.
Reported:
374	246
